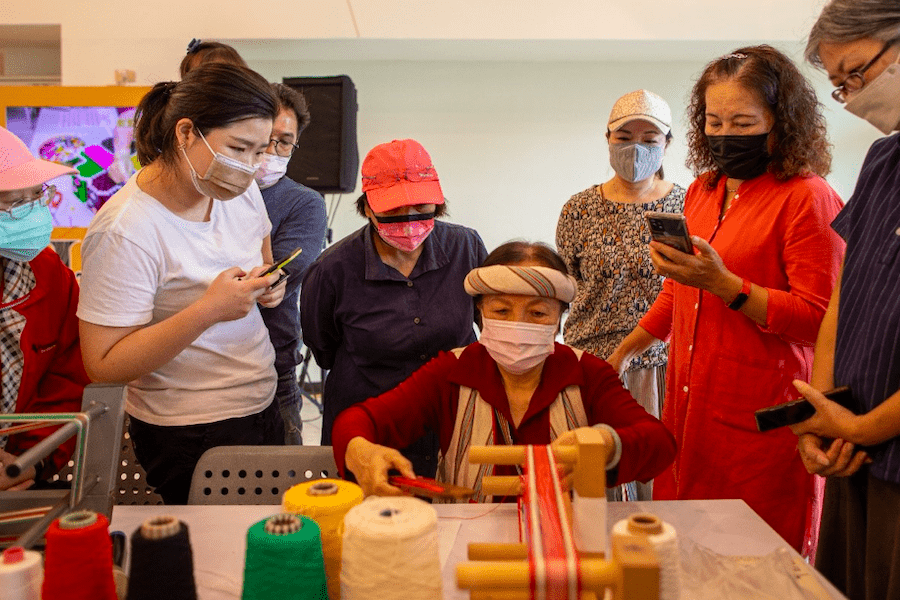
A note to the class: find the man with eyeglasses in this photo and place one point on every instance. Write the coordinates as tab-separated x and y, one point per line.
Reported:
298	220
42	370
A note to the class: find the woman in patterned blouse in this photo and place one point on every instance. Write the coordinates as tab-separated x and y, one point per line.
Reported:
603	238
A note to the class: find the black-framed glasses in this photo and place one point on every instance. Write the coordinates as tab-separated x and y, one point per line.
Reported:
283	148
24	206
856	80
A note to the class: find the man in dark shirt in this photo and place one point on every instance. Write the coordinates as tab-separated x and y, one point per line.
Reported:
298	220
380	303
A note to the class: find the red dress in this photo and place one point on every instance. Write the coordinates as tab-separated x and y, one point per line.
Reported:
723	366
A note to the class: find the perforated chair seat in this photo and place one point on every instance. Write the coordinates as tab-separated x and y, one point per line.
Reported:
256	474
131	488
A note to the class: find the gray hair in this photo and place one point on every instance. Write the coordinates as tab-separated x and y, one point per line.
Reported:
845	21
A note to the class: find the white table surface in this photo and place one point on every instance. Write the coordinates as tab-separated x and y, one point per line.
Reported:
218	533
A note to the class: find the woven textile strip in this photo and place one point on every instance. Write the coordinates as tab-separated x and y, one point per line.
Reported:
552	559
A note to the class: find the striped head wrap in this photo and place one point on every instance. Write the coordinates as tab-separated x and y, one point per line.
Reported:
526	281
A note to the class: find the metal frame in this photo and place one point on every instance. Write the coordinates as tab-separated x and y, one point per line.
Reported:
98	431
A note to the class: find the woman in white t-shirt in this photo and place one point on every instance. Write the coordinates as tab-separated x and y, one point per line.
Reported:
171	277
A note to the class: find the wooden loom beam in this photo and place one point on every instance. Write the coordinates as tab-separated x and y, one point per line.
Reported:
502	572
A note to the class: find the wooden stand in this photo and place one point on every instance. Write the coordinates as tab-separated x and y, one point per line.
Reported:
501	571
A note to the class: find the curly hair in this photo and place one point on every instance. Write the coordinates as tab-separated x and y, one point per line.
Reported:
800	142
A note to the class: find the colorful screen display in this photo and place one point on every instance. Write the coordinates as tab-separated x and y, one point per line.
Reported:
97	141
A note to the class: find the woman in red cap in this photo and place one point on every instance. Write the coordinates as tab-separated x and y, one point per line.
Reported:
386	299
42	368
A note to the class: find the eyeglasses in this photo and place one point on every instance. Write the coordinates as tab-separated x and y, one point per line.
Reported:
48	192
855	80
283	148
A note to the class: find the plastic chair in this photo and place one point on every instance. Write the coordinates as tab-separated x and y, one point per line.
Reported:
256	474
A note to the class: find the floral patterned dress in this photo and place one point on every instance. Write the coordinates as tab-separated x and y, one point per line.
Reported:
605	246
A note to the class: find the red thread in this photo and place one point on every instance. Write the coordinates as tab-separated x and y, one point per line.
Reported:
78	563
550	544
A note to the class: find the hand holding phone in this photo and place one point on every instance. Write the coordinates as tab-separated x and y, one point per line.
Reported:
670	229
278	265
791	413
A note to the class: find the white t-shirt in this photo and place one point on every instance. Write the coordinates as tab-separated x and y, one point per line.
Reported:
143	264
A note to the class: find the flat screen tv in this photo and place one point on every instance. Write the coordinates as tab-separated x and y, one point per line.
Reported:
87	128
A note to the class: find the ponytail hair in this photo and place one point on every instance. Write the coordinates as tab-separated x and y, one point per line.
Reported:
211	95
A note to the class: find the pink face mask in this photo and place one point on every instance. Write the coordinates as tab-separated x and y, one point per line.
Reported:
405	232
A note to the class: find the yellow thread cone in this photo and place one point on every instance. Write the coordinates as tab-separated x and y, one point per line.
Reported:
326	501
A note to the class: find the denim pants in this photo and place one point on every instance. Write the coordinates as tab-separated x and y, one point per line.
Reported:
289	400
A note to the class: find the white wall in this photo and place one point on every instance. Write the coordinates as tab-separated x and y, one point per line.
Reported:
510	97
511	141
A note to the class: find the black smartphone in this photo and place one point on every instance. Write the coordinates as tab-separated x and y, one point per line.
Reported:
791	413
279	264
670	229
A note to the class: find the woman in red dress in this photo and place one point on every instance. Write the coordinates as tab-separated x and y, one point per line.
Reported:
742	312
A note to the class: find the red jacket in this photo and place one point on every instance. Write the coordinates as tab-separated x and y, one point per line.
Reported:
428	399
53	379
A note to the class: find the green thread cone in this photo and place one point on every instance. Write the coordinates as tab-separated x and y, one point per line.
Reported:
285	567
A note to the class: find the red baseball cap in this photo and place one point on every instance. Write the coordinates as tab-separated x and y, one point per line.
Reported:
399	174
19	169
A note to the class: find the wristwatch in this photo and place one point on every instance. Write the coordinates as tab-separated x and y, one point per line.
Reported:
742	296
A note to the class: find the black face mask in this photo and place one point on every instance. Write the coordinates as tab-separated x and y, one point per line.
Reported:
740	156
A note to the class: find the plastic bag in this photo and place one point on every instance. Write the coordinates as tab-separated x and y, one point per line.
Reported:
706	575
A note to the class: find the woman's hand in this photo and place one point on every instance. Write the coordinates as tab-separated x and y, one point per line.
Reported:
704	269
271	296
232	294
831	420
838	460
370	464
565	471
24	481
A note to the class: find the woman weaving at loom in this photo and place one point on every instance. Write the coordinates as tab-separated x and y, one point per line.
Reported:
515	386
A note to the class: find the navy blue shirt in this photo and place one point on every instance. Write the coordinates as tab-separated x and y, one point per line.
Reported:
298	220
867	349
372	327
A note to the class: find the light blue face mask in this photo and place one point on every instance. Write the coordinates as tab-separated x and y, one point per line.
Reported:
25	236
635	161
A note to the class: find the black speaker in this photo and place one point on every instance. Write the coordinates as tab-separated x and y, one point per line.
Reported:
328	157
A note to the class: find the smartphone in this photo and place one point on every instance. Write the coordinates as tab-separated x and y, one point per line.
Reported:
279	264
791	413
670	229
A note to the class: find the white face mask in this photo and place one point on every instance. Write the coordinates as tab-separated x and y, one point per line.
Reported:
271	170
517	347
879	101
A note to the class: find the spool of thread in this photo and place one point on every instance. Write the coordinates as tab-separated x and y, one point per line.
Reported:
391	551
664	540
78	559
162	561
21	572
284	560
325	501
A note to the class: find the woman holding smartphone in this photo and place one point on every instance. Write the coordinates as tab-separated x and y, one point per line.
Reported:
603	238
743	310
170	283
